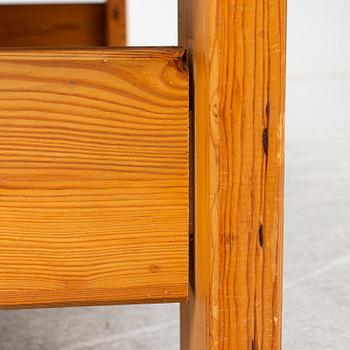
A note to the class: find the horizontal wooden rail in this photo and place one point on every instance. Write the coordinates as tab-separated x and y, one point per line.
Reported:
93	177
53	25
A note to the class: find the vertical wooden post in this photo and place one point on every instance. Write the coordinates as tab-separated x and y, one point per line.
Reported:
236	49
116	23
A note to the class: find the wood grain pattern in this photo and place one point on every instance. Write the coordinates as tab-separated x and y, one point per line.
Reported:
52	25
116	22
237	51
93	177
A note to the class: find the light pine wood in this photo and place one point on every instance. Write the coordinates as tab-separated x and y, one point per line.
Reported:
52	25
237	51
93	177
116	22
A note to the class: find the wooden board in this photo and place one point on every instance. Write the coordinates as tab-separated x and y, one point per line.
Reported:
237	51
93	177
116	22
52	25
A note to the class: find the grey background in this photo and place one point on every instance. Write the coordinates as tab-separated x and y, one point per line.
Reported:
317	232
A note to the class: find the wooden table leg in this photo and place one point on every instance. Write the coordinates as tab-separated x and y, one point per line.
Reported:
116	23
237	53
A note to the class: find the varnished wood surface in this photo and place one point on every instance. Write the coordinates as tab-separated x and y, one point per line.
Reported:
116	22
93	177
52	25
237	51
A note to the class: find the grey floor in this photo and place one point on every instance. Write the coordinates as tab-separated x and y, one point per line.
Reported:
94	328
317	242
317	246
